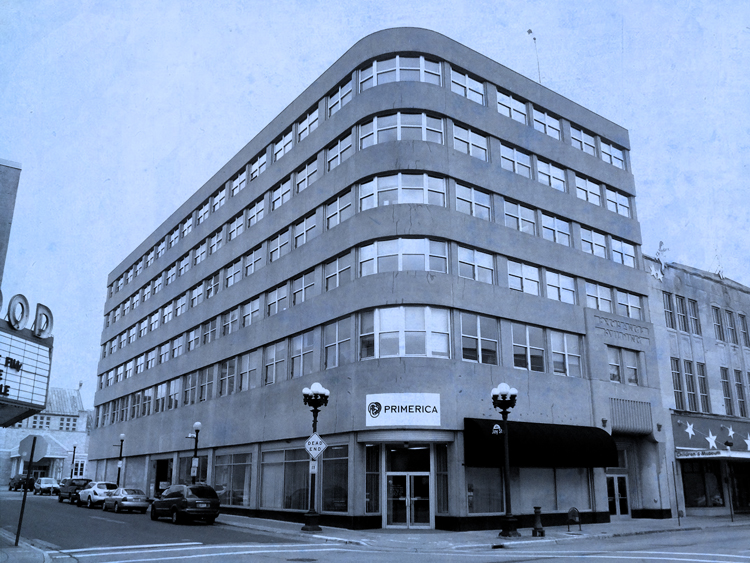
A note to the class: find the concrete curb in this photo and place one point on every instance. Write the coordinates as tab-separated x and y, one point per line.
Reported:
18	551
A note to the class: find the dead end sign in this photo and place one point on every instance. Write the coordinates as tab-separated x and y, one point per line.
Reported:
315	445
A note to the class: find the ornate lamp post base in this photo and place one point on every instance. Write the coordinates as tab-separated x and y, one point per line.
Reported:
509	527
311	522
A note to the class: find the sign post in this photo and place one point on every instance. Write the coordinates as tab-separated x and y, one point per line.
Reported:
28	476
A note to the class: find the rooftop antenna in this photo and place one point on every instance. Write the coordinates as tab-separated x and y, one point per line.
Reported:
538	69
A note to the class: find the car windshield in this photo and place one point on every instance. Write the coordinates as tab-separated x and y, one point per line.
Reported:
79	482
48	481
110	486
201	491
133	492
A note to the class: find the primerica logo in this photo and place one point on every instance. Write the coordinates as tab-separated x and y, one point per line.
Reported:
374	409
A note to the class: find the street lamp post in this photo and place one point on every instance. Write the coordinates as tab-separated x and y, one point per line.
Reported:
119	461
194	467
504	399
315	397
73	463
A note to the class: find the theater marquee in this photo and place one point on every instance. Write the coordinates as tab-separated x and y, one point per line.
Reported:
403	409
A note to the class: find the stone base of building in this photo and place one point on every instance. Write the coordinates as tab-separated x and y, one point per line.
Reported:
653	513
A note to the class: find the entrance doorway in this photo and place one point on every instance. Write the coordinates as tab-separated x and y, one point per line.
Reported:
617	495
408	488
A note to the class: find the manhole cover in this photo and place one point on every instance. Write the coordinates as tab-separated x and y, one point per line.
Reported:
303	559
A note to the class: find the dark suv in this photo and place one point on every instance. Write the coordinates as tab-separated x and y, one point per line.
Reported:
69	489
21	482
187	502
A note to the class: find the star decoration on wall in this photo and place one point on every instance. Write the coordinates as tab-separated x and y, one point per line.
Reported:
730	432
711	440
690	430
656	273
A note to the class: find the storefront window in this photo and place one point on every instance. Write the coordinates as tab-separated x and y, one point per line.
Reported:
701	481
284	479
372	479
184	476
336	478
484	490
441	473
232	475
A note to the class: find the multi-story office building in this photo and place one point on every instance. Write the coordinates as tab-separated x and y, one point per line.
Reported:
418	226
700	319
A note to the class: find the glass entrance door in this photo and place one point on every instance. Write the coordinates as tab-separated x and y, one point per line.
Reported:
617	495
408	503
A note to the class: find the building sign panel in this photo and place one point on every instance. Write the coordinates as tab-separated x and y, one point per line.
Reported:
403	409
24	369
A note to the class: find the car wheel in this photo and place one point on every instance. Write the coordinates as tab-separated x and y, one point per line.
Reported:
210	520
34	491
143	511
104	507
89	504
175	516
117	507
153	514
59	498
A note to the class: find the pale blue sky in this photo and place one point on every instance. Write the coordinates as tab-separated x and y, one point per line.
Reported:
119	111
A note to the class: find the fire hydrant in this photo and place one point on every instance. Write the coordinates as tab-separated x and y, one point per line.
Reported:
538	531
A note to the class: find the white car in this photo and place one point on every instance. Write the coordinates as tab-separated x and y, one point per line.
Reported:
95	493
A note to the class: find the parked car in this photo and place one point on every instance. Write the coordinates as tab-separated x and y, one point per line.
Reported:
46	486
69	489
187	502
94	493
21	482
126	499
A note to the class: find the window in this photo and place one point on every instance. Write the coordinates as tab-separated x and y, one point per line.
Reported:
258	166
307	124
629	305
196	295
546	123
739	388
160	399
398	69
164	353
668	310
623	365
154	321
339	151
151	359
340	209
227	374
550	175
403	255
276	300
727	389
307	175
249	370
336	478
236	226
479	339
250	312
233	273
598	297
612	154
305	230
230	322
468	87
283	145
284	479
475	265
340	97
186	226
212	285
337	342
278	246
523	277
303	288
566	353
190	386
180	305
702	483
193	338
161	248
140	363
617	202
528	347
129	369
136	299
623	253
401	127
150	257
215	241
470	142
281	194
302	354
166	313
404	331
679	394
402	188
255	213
588	190
178	346
731	328
582	140
252	261
703	388
511	107
682	321
200	252
132	334
208	331
338	272
520	217
238	184
718	323
473	202
174	389
555	229
139	267
158	282
275	366
203	212
183	265
560	287
234	471
146	293
116	316
593	242
692	397
743	330
219	199
205	383
515	160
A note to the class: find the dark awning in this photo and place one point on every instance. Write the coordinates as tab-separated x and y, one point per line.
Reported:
538	445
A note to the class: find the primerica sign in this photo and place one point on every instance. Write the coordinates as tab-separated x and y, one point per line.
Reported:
403	409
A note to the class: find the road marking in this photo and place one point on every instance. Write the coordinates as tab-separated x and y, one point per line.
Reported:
234	553
166	547
107	519
130	546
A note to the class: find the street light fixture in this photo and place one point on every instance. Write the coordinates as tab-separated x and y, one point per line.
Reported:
315	397
504	398
194	467
119	461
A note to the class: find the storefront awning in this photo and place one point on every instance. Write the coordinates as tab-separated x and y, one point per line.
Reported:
538	445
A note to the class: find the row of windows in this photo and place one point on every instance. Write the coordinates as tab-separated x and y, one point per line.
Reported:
728	332
691	389
398	68
687	318
65	423
378	191
390	255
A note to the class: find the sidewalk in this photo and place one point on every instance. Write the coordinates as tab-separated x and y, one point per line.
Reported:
23	553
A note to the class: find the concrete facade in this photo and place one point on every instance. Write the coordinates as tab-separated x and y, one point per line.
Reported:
427	294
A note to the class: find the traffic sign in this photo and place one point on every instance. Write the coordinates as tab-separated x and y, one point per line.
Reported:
315	445
40	450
